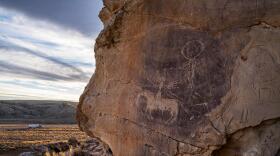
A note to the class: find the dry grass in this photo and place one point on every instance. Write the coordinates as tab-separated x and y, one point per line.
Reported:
17	136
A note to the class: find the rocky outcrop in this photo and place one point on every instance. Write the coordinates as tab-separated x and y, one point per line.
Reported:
186	78
90	147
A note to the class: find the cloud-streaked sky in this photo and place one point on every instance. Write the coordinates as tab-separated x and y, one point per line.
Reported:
46	48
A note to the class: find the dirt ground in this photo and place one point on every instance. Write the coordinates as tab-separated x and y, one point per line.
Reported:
17	137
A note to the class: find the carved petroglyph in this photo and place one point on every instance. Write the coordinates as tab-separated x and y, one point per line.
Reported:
192	49
185	66
154	108
266	76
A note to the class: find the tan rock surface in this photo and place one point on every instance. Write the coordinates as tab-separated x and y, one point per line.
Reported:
180	77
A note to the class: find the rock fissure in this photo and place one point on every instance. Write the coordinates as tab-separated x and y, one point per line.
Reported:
264	25
147	128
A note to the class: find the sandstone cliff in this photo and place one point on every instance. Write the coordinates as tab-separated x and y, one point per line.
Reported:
186	78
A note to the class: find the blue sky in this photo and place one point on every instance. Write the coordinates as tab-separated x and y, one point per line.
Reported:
46	49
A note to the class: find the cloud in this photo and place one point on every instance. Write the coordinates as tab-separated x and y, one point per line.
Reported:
77	14
30	89
33	50
11	69
58	62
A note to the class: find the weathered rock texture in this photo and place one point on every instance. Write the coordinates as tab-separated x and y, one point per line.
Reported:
186	78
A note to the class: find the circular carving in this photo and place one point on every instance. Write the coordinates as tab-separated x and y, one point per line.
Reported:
192	49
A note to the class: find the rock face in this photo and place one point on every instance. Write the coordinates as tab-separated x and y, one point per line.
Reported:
186	78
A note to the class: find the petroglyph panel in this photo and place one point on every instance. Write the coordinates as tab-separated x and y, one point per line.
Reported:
185	66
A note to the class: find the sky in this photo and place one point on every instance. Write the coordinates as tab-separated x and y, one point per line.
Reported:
46	48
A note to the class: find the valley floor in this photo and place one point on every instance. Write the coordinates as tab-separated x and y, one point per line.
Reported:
17	137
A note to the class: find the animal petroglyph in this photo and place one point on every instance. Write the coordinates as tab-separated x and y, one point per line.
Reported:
154	108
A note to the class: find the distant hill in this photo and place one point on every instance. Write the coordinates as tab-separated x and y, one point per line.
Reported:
27	111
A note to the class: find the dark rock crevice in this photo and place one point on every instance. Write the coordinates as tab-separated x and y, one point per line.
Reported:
260	140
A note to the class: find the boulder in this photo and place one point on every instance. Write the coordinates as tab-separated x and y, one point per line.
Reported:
186	78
